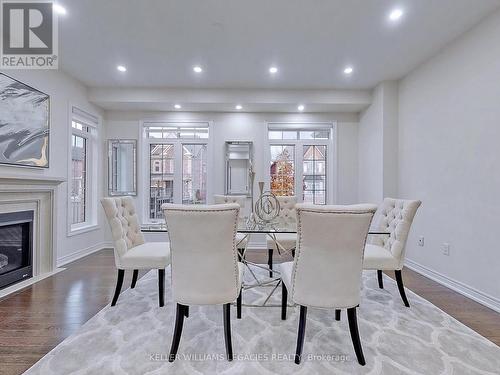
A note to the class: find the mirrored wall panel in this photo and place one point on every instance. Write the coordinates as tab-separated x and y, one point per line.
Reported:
238	168
122	170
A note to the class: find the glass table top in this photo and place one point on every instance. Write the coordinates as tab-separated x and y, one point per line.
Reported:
243	228
263	228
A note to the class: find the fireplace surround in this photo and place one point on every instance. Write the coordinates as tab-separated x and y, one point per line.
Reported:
39	194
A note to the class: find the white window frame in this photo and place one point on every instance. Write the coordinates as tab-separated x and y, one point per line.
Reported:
145	143
91	170
331	154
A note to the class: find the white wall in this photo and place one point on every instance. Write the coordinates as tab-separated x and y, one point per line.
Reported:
390	138
250	127
449	157
378	145
64	91
370	149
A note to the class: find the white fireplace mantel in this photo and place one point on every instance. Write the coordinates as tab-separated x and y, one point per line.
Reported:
37	193
30	180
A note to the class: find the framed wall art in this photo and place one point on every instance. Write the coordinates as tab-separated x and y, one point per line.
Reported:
24	124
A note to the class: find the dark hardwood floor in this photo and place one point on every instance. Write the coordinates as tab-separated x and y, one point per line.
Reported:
481	319
34	320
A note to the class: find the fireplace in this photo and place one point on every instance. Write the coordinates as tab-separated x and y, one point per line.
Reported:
16	247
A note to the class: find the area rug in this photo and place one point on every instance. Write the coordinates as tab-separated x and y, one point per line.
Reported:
134	338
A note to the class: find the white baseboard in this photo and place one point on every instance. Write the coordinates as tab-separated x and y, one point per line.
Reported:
82	253
467	291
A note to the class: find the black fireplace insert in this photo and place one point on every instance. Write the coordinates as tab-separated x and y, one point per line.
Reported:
16	247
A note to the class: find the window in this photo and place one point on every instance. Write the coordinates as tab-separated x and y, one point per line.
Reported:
80	184
314	174
81	187
161	158
78	177
282	170
177	132
178	163
194	174
299	161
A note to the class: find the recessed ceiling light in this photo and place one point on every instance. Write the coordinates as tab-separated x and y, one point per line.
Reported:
300	107
177	106
348	70
396	14
121	68
59	9
238	107
273	70
197	69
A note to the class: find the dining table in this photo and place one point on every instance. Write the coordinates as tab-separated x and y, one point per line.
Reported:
247	229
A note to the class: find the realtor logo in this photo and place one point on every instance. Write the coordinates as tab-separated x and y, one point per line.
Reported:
29	35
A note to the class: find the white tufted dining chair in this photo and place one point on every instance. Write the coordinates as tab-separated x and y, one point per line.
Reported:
286	218
241	238
130	249
328	262
387	252
205	267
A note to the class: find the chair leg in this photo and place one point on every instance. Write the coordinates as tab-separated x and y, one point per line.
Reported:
380	280
134	279
186	311
353	328
270	262
301	335
284	298
337	314
227	331
238	306
161	287
240	255
176	339
399	280
119	283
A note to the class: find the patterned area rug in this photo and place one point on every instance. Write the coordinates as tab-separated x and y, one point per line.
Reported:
134	338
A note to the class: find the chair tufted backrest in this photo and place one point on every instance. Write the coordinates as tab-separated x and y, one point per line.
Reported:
329	257
124	224
203	252
287	216
395	216
238	199
222	199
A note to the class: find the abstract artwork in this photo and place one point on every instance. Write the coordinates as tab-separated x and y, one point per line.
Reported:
24	124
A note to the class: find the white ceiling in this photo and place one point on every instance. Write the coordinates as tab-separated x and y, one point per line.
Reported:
236	41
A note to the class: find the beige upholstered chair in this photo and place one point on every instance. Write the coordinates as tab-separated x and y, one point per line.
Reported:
205	267
326	271
385	252
286	218
130	249
241	239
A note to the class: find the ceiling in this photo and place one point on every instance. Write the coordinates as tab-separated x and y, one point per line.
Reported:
236	41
